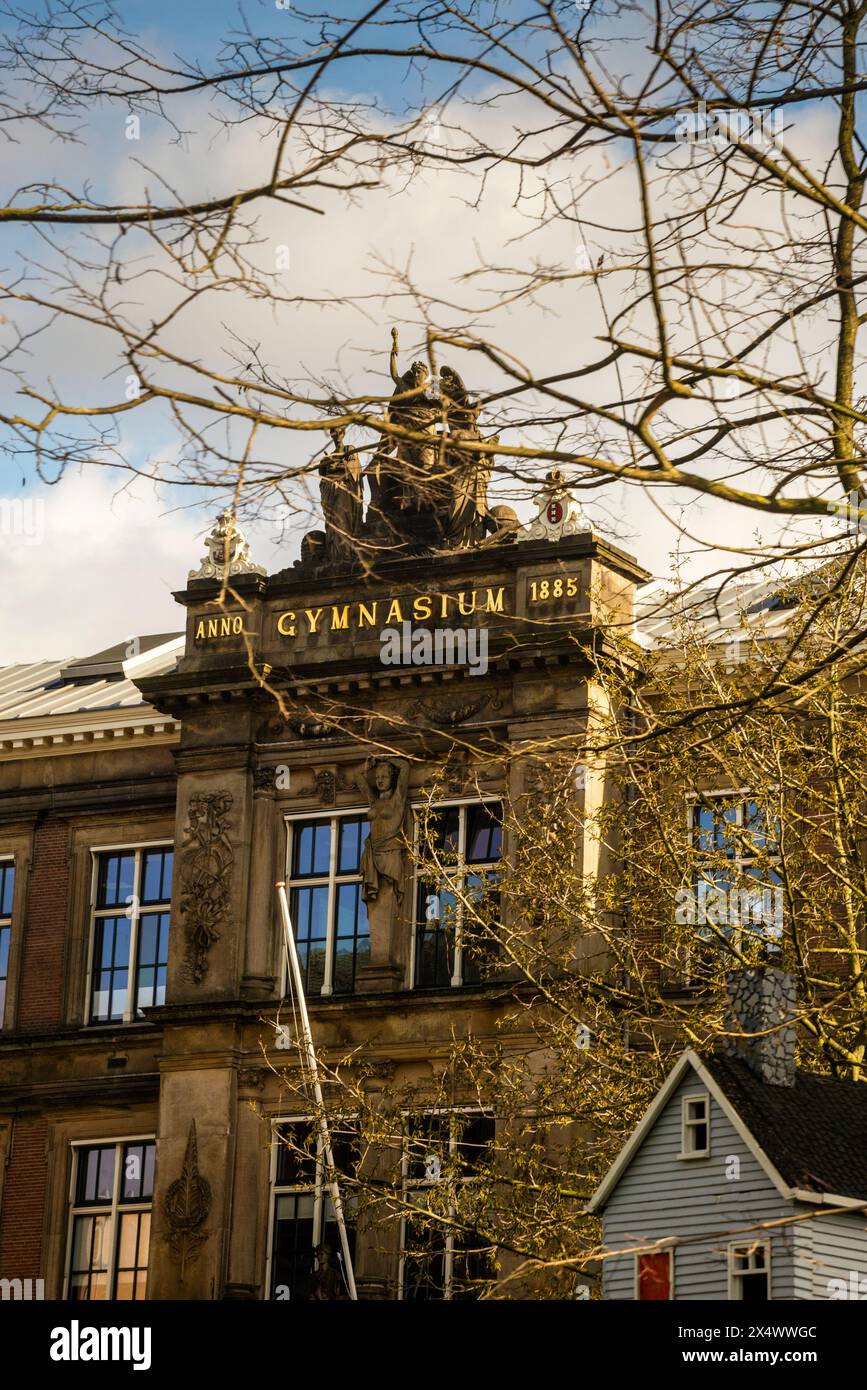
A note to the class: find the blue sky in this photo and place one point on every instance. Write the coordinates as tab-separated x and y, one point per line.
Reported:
97	557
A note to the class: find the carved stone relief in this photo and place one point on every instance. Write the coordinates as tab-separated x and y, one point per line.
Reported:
453	710
326	783
187	1203
207	862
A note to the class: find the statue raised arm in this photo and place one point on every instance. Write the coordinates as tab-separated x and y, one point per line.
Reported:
340	492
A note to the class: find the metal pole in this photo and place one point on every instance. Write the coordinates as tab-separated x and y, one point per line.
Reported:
310	1051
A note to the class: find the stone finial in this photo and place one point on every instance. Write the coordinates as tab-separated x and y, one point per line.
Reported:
759	1000
228	551
559	513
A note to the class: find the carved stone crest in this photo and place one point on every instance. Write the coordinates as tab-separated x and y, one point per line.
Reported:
187	1203
456	770
228	551
327	782
450	712
207	861
326	785
559	513
278	729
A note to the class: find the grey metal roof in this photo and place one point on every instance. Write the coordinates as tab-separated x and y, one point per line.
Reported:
719	611
34	689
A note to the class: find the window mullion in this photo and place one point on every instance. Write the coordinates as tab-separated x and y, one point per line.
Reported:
91	949
318	1191
135	911
331	923
414	918
460	885
114	1232
449	1253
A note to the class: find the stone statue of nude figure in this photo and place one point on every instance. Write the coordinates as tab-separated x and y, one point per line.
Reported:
385	783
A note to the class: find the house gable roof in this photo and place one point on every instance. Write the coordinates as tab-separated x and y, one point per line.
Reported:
633	1144
810	1138
814	1133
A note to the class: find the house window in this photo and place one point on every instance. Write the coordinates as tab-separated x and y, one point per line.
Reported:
750	1272
737	885
654	1277
442	1152
130	935
328	916
467	842
112	1190
695	1127
7	889
306	1259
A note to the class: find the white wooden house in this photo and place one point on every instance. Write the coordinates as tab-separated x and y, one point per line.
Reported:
747	1178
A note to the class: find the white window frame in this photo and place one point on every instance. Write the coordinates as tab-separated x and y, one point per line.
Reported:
118	1142
457	871
738	862
636	1291
318	1189
134	912
734	1275
6	923
418	1184
332	880
688	1125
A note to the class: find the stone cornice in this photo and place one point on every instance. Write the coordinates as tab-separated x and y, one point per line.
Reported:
84	730
480	560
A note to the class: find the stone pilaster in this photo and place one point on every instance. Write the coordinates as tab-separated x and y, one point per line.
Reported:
193	1192
259	980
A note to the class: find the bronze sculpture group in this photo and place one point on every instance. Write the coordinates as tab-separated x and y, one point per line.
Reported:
427	482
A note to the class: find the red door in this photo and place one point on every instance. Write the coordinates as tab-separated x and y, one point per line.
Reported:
654	1276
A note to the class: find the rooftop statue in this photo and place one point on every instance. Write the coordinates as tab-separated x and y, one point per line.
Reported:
408	493
427	493
340	491
468	470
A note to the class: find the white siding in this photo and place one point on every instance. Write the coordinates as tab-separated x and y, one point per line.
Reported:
832	1247
660	1195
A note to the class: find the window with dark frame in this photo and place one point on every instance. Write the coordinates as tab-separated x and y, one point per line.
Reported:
7	892
695	1131
328	915
109	1236
306	1256
750	1273
468	840
440	1262
131	921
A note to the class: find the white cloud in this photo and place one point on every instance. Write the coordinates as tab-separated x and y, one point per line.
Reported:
107	563
91	566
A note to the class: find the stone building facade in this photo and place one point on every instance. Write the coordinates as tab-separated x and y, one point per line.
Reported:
150	799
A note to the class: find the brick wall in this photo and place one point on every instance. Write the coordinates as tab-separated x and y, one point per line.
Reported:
24	1202
41	977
